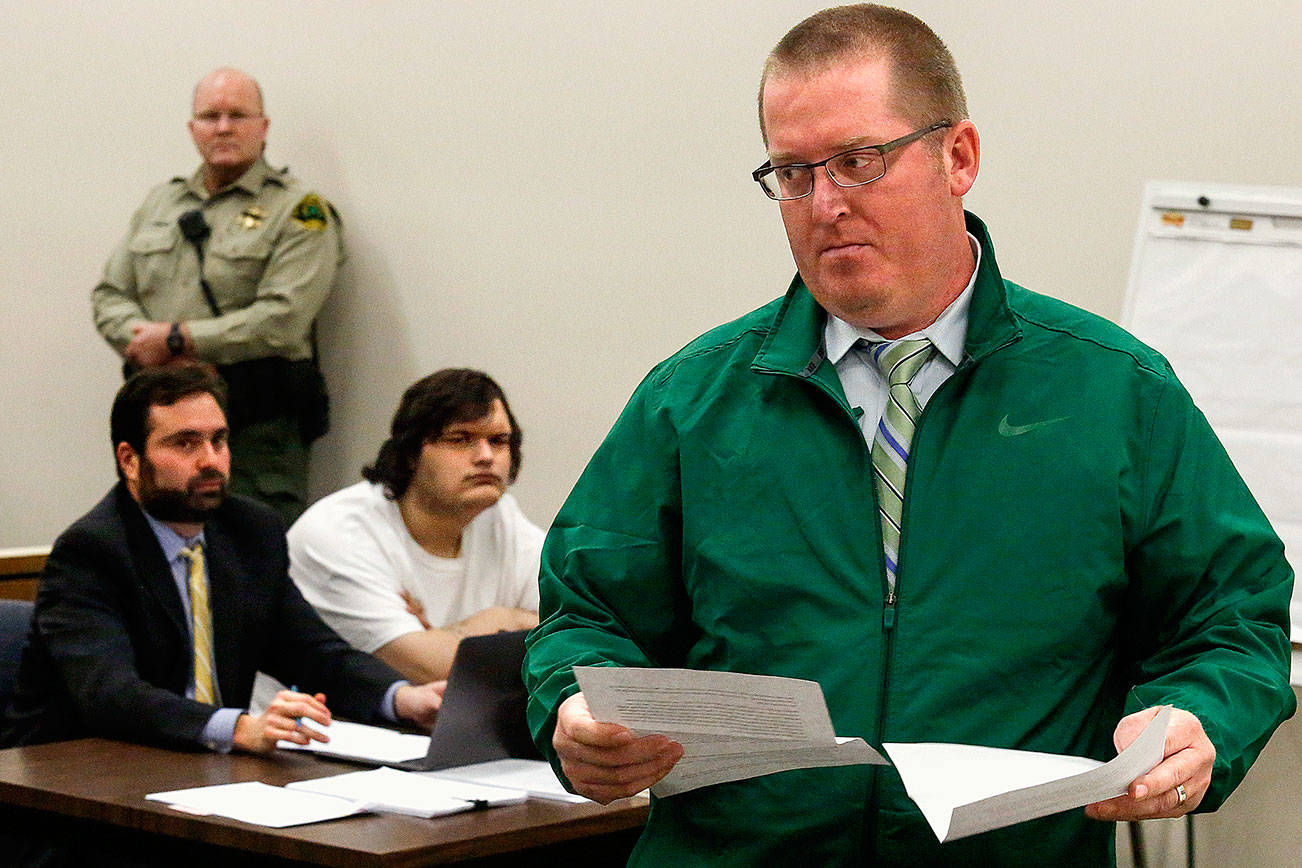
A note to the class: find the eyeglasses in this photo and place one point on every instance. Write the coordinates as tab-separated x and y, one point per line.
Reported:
211	119
852	168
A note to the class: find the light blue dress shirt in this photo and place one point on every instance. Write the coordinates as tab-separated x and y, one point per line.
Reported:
219	731
863	383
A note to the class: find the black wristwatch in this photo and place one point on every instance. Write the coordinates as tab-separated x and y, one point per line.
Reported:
175	340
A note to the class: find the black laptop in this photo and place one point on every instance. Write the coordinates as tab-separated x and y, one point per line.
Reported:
483	713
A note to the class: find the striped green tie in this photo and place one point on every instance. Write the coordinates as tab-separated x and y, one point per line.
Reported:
205	687
898	361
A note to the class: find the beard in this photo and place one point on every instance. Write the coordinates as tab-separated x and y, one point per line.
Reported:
180	505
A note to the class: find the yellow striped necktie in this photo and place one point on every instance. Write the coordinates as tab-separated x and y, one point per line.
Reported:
205	689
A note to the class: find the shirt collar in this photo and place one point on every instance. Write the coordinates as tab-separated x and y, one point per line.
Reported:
171	541
948	332
251	181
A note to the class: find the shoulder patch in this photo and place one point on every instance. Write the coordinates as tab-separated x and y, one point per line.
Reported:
311	212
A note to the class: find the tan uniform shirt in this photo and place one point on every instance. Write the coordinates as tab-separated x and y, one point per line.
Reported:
271	261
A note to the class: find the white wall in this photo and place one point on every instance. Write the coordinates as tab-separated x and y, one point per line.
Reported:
558	192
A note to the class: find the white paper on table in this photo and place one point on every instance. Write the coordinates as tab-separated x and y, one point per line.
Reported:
732	725
411	793
258	803
966	789
532	777
358	740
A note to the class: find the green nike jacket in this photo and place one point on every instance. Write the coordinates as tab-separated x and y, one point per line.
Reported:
1076	546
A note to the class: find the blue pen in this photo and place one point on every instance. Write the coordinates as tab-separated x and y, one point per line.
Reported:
293	688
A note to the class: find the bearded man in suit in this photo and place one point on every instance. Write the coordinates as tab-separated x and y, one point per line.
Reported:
159	605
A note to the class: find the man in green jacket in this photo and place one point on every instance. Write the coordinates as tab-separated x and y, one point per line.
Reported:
972	513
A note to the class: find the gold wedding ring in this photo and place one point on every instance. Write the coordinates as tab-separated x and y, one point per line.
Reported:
1179	791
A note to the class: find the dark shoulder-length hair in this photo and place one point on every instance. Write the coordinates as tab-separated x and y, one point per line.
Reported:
428	406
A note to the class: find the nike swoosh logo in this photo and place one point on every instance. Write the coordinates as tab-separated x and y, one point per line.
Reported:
1008	430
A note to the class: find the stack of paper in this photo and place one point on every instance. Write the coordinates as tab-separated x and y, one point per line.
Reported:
258	803
532	777
383	790
372	743
411	793
732	726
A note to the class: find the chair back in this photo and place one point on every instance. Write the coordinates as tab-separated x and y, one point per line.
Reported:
15	621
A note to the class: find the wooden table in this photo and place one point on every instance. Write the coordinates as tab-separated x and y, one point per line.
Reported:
94	790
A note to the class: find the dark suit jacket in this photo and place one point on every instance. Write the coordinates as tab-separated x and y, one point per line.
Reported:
109	652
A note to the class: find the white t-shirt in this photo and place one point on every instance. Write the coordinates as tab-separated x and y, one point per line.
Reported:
351	555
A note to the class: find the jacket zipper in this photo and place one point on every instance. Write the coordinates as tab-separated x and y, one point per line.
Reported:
892	594
889	612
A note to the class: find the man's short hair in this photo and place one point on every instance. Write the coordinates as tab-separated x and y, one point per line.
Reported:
428	407
924	78
157	387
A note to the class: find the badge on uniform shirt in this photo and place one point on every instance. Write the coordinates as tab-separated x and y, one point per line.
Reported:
252	217
311	212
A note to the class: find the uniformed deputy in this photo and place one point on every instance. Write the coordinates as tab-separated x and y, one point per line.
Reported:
231	266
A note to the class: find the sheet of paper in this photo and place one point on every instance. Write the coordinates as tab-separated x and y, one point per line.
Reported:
410	793
364	742
259	804
965	789
692	772
533	777
732	725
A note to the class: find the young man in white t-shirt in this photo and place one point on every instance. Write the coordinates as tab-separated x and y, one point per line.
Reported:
430	548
